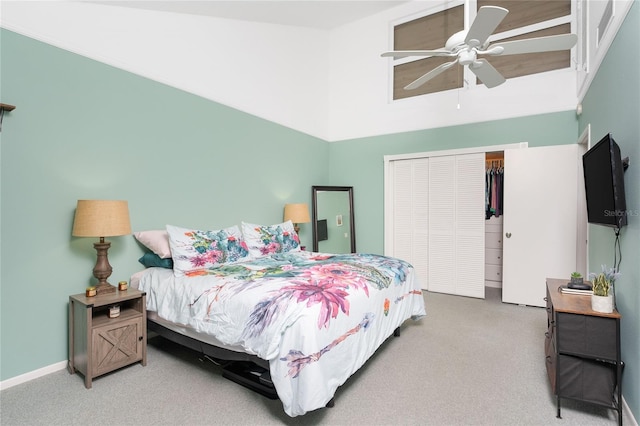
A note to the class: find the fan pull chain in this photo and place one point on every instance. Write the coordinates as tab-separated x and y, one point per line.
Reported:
458	90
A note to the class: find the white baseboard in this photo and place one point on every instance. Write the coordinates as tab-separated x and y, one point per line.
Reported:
23	378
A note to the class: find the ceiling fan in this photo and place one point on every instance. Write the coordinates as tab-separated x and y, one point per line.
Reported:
466	45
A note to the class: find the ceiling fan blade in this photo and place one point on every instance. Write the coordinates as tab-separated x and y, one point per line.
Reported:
538	44
489	76
406	53
487	20
431	74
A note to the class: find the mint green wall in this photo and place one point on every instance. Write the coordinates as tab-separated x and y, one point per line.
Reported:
83	130
612	104
368	154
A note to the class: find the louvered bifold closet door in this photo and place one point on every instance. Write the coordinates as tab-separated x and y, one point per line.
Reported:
456	224
410	214
469	224
442	204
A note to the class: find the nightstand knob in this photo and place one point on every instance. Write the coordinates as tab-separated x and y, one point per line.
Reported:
140	339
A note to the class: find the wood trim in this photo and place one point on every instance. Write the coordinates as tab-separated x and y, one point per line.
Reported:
523	13
532	63
429	32
407	73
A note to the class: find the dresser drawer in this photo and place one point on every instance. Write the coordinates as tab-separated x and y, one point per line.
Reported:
585	379
493	224
493	272
489	228
585	335
493	256
493	240
493	220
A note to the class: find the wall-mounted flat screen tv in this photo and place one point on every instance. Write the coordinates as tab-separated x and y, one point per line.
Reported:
604	184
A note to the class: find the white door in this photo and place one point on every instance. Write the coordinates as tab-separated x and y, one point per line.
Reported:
470	212
442	229
456	224
409	202
540	210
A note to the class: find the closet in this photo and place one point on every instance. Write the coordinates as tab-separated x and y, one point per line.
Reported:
435	218
494	206
437	208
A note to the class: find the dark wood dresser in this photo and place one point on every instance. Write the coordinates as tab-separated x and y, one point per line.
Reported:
582	348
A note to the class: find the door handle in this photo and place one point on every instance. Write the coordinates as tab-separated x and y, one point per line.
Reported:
508	234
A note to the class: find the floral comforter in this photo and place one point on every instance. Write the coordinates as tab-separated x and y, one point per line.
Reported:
315	317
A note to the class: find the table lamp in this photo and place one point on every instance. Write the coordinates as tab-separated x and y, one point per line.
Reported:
297	213
100	219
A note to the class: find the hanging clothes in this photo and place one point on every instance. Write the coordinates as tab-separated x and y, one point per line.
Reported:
494	187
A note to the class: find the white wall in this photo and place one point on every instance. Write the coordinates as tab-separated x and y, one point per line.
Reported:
272	71
330	84
595	45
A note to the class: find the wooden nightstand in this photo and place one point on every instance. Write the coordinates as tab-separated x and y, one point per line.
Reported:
99	344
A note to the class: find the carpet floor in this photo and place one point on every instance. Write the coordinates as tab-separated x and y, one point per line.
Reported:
468	362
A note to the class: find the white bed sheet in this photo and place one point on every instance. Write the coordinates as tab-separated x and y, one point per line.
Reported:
308	359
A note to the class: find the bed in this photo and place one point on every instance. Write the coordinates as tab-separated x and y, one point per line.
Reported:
307	321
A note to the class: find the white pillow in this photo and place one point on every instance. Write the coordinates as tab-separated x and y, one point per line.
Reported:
157	241
265	240
195	250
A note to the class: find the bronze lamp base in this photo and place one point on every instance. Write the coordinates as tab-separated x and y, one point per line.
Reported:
103	269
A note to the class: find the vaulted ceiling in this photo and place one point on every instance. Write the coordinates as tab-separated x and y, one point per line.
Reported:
526	19
321	14
321	60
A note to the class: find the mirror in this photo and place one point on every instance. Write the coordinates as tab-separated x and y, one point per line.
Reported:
334	229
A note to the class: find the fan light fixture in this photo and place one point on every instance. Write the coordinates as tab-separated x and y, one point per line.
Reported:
466	45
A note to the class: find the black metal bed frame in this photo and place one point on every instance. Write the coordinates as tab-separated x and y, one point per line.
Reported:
245	369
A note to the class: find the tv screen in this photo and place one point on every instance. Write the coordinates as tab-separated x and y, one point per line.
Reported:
322	230
604	184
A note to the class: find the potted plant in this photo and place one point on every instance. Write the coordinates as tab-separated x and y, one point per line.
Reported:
602	297
576	278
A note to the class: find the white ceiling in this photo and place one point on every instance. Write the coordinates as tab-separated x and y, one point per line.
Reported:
320	14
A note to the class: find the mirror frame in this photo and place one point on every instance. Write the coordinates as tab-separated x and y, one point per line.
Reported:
314	212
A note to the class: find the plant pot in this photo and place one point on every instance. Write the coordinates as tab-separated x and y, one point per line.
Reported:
575	280
602	304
